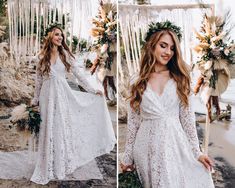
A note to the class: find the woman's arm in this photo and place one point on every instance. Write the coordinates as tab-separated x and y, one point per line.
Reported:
79	73
38	85
133	123
187	119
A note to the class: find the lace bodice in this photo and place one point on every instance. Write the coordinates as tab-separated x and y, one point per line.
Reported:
58	71
166	107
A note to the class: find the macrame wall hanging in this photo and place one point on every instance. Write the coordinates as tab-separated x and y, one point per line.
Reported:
29	18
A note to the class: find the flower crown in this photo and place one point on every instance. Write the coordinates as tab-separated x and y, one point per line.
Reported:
159	26
51	26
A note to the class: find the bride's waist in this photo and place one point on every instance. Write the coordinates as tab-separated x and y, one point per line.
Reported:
160	121
159	116
54	77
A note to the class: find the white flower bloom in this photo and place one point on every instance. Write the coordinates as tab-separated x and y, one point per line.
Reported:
207	65
212	46
213	39
226	51
208	73
104	48
232	47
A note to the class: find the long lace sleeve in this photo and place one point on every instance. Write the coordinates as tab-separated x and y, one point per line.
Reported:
133	123
38	85
187	119
79	73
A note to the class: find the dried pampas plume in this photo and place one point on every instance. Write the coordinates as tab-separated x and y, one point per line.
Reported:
18	113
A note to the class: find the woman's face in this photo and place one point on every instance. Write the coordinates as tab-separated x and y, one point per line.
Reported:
164	50
57	37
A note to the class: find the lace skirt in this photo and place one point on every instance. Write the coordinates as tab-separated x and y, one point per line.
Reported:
76	127
164	158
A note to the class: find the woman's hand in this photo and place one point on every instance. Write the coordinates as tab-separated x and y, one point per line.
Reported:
34	103
206	161
127	168
98	92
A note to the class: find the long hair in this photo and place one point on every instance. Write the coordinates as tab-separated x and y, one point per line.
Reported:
45	53
177	67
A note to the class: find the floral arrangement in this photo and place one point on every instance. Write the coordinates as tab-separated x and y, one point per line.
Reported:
215	50
158	26
26	118
216	55
104	33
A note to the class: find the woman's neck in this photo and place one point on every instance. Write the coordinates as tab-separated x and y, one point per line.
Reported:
55	49
160	68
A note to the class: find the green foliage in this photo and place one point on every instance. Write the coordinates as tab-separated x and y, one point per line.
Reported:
74	44
88	63
4	20
3	9
159	26
83	44
129	180
34	121
30	123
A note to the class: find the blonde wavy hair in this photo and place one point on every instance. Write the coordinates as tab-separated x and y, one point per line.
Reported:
178	69
45	54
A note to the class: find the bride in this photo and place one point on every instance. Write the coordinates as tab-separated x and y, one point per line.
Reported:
162	143
76	126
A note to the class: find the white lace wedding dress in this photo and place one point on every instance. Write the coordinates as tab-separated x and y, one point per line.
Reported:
76	128
163	144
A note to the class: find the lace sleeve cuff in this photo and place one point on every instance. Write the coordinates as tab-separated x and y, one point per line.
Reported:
38	85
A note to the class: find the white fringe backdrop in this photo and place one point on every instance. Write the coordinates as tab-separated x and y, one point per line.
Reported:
22	14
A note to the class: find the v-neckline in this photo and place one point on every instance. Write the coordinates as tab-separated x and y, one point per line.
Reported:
55	60
163	91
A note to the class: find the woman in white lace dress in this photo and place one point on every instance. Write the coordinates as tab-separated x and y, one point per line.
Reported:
162	142
76	126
